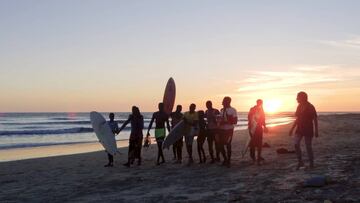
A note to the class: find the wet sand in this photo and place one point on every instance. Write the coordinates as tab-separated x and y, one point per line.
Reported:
82	177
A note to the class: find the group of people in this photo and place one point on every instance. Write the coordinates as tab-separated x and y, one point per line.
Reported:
217	128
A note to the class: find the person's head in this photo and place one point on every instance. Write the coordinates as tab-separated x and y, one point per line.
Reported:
178	108
259	103
135	111
302	97
192	107
201	114
226	102
209	104
161	106
111	116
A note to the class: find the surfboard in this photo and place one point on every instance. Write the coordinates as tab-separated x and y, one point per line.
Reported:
174	135
169	96
103	132
246	147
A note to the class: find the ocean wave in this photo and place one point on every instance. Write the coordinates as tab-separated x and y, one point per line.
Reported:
47	132
83	122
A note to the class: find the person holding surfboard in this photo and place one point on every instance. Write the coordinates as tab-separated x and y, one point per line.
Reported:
115	130
191	120
160	117
212	130
136	135
228	120
176	117
306	125
256	126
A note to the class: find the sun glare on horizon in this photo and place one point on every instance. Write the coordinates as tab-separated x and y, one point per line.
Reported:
272	105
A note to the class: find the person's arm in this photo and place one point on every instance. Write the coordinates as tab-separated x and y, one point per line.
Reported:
292	128
233	117
316	124
264	122
150	126
249	122
168	124
124	124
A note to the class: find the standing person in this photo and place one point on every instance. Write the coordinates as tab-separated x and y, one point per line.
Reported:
115	130
256	126
306	120
191	120
212	130
201	137
176	117
228	119
136	135
160	118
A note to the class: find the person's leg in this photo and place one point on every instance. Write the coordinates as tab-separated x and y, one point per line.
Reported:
259	137
138	150
229	135
189	140
174	150
179	150
297	140
222	141
158	142
161	152
203	152
110	161
199	150
309	151
252	150
210	141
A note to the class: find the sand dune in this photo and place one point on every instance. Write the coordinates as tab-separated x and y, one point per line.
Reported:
82	177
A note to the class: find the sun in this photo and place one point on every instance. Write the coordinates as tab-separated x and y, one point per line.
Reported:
272	105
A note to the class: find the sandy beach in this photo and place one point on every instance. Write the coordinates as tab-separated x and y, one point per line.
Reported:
81	177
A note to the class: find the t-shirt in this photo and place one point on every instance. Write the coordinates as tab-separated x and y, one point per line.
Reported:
225	114
113	126
305	115
190	118
210	116
256	119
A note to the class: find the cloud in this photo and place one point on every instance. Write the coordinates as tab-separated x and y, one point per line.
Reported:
349	43
296	77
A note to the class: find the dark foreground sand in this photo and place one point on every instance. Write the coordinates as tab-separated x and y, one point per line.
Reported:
82	177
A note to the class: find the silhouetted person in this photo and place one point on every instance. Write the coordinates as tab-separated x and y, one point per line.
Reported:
176	117
212	130
115	129
201	137
160	118
136	135
306	118
228	119
191	120
256	126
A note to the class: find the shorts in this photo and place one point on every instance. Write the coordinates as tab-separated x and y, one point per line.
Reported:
160	133
189	137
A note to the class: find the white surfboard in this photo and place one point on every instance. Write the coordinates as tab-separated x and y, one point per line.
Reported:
103	132
169	96
175	134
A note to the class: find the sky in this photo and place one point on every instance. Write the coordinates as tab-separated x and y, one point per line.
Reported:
79	56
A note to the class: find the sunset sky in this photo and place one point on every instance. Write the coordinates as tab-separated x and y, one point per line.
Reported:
59	56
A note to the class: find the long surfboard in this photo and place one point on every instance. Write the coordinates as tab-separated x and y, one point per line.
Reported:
175	134
103	132
169	96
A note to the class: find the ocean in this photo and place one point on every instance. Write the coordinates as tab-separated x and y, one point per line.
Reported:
18	130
